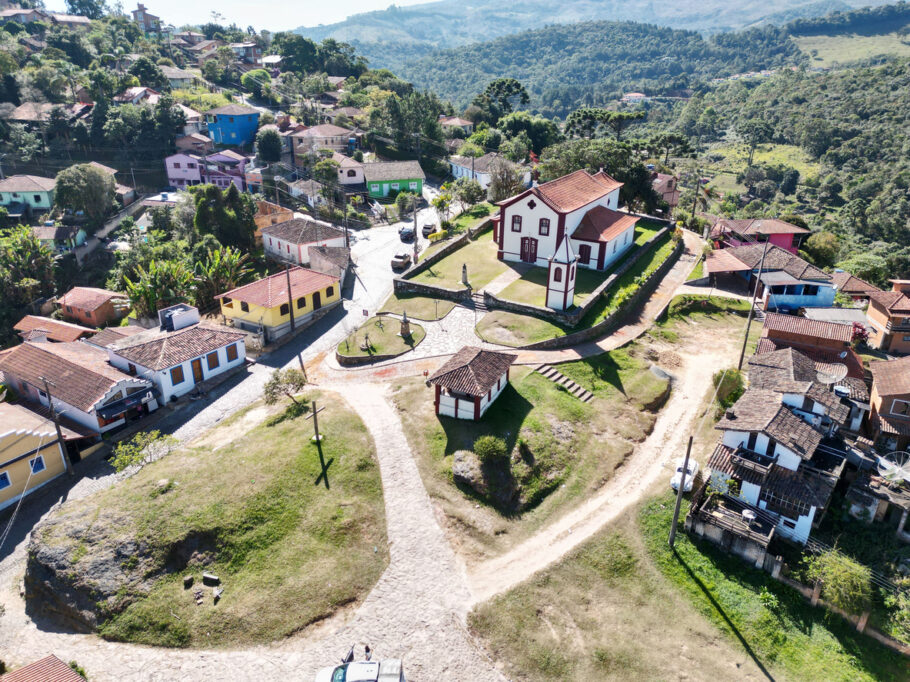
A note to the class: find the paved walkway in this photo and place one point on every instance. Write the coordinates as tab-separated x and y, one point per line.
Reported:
415	612
500	282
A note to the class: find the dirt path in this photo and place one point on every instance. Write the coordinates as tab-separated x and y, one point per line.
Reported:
647	465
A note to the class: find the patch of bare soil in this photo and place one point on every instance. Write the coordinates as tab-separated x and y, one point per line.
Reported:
228	433
669	359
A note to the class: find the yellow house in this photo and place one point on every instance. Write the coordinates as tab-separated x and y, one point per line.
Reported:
30	453
268	307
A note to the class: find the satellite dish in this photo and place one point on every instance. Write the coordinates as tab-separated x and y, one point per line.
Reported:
895	466
835	372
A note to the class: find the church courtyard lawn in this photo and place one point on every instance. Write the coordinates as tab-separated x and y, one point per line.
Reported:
479	256
561	448
418	307
248	501
531	288
384	338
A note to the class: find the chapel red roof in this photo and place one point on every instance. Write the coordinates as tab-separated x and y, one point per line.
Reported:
602	224
472	370
572	191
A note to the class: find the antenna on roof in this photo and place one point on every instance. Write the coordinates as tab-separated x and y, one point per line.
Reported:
836	372
895	466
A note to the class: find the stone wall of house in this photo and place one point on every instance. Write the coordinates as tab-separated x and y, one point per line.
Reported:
616	318
573	317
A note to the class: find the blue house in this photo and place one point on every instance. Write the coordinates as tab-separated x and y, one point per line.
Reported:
232	124
787	281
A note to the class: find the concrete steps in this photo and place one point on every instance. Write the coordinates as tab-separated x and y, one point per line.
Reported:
479	305
560	379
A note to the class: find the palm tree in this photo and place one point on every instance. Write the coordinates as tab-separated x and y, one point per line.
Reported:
222	270
163	284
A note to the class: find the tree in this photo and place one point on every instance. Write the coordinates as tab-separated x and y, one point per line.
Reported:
283	383
26	267
162	284
226	214
93	9
846	583
542	132
754	132
143	448
149	74
24	144
268	145
503	91
468	191
298	54
85	188
326	172
442	202
822	248
618	121
222	270
405	202
255	80
505	180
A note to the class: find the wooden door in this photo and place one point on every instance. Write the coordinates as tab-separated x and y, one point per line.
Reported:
528	249
197	370
584	253
317	301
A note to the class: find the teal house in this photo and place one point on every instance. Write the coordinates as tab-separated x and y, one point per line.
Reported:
60	238
26	194
232	124
391	177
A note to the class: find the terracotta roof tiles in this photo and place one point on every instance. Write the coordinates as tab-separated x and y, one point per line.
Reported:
602	224
158	349
816	329
472	370
272	291
848	284
572	191
302	231
759	410
87	298
57	330
891	377
48	669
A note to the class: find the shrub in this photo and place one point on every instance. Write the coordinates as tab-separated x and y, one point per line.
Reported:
730	386
846	584
490	448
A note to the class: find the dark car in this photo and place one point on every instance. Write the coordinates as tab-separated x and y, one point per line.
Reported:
406	233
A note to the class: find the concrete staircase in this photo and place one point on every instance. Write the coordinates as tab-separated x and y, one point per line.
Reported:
559	379
477	300
757	312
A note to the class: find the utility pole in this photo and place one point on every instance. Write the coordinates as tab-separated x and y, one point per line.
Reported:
415	230
133	176
344	222
287	274
679	493
315	417
761	265
2	156
53	411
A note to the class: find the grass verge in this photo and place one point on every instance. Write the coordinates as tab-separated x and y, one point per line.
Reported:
418	307
293	533
384	338
479	256
773	623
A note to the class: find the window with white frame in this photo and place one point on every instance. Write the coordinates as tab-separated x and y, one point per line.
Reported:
37	464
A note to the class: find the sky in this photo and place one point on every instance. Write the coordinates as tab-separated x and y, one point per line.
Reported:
273	15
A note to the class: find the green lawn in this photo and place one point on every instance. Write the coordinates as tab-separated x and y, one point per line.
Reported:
617	375
384	338
774	623
561	450
531	288
480	257
826	51
418	307
698	271
463	221
736	156
290	546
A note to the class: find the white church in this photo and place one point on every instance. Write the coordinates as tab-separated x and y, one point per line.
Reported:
562	225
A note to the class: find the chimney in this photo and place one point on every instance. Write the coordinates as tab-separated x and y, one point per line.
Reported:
730	414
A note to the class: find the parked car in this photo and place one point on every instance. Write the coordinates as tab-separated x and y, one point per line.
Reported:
428	229
406	233
690	474
400	261
389	670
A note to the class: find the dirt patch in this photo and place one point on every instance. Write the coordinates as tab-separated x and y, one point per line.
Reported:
669	360
228	433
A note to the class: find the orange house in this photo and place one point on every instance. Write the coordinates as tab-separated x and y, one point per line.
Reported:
267	214
889	318
93	307
890	403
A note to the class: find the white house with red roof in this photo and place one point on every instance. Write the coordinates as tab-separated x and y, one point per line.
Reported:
581	207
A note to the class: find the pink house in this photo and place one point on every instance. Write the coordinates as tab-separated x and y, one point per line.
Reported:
728	232
223	168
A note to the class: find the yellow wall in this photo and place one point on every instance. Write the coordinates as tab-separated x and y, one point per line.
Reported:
15	444
271	317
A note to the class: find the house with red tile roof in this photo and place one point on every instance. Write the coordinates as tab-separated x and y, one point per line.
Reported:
890	401
290	240
281	303
83	385
667	186
93	306
48	669
888	316
854	287
468	382
54	330
180	354
581	207
729	232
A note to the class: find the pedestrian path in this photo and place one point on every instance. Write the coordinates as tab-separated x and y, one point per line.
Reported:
560	379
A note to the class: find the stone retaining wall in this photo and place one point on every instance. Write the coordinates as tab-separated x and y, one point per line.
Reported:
406	286
573	317
607	325
360	360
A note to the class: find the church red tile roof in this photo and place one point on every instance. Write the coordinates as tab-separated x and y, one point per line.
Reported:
572	191
602	224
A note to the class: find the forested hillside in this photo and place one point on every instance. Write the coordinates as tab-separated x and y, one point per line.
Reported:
593	63
391	37
855	124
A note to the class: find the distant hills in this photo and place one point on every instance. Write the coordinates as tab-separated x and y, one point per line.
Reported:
391	37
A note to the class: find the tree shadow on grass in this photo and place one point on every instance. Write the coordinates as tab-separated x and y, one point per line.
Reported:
503	419
606	369
292	411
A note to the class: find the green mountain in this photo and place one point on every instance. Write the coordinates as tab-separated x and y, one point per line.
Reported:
392	36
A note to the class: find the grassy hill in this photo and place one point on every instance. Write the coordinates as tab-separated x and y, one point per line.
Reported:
390	37
827	50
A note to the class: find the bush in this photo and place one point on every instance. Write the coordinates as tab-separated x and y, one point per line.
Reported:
846	583
730	386
490	448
